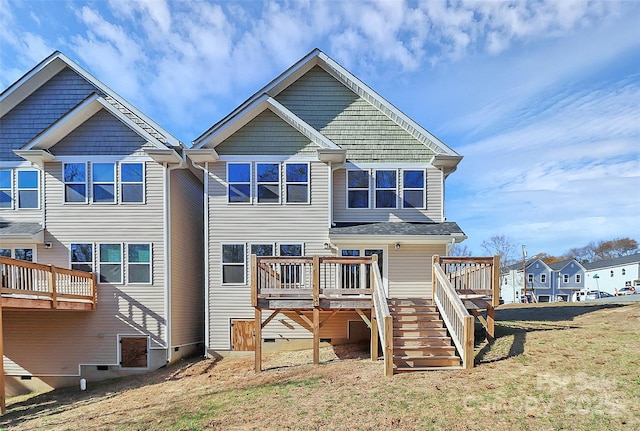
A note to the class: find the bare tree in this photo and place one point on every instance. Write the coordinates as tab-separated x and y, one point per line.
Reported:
460	250
503	246
603	250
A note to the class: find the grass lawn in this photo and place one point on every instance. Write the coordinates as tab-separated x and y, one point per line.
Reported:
551	367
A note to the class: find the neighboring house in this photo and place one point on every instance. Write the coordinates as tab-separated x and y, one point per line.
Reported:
90	183
614	273
317	163
557	282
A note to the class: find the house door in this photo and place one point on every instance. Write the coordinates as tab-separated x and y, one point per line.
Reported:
133	352
14	278
242	335
355	252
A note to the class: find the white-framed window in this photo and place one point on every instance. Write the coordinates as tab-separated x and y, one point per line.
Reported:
74	177
239	182
543	278
81	256
103	181
138	263
297	182
386	188
110	263
530	278
624	272
28	188
357	188
578	278
565	278
20	253
132	183
544	298
263	249
413	188
6	188
268	182
291	274
233	264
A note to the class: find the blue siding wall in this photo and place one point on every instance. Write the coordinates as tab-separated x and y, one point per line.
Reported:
102	134
41	109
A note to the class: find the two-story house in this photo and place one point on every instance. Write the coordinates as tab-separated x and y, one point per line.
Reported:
568	279
611	275
90	183
317	163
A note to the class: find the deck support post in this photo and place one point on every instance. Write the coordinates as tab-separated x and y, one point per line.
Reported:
491	319
374	339
316	336
3	402
258	340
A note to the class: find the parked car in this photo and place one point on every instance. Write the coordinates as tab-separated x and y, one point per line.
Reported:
595	294
627	290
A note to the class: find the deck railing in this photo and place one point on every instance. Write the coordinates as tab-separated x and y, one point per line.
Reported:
456	317
474	276
37	281
312	277
384	320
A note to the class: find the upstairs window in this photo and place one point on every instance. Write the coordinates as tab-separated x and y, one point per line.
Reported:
81	257
6	189
139	263
297	182
110	258
132	183
357	189
268	180
239	180
28	189
74	177
543	278
413	186
565	278
103	178
386	189
530	278
578	278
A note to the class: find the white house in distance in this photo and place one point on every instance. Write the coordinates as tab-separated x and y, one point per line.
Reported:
613	274
89	183
317	163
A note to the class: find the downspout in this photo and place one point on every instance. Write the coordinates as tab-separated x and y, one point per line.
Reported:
207	330
330	206
443	214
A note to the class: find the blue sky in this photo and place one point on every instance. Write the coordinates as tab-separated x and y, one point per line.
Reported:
541	98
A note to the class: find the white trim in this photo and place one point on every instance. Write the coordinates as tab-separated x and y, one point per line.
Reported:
99	262
374	179
86	184
228	183
368	172
403	189
93	255
267	183
17	188
121	182
252	243
12	202
112	183
150	263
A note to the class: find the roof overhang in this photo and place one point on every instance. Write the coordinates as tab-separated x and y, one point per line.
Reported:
203	155
395	239
331	155
21	233
37	157
446	163
165	156
398	232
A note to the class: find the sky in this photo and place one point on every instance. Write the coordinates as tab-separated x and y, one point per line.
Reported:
541	98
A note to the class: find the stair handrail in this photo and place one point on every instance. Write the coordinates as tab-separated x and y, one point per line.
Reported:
454	314
383	316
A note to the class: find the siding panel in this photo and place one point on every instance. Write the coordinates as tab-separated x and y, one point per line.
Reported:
410	270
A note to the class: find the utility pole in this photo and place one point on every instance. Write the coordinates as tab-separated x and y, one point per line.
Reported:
524	274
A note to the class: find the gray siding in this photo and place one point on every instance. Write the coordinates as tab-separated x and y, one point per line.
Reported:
267	134
41	109
187	259
410	270
350	121
272	223
432	213
102	134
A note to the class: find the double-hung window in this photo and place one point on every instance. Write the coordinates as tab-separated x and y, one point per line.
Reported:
139	263
28	189
233	264
357	189
110	263
103	179
297	182
262	249
579	278
74	176
543	278
131	183
386	189
565	278
530	278
268	181
239	180
81	257
413	189
6	194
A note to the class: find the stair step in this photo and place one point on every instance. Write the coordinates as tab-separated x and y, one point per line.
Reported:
425	361
427	324
413	316
419	332
409	301
399	370
424	351
396	309
422	341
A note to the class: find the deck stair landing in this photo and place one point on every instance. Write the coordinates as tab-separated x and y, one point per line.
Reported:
420	339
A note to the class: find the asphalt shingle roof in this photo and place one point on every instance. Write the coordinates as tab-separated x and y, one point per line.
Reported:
397	228
19	228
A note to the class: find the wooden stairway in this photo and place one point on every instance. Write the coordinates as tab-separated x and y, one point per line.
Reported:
420	340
